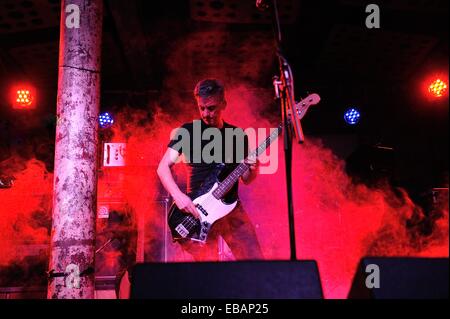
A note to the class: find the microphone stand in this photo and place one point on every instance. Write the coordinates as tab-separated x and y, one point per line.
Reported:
284	96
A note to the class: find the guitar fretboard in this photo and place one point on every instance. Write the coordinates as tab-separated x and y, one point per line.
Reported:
227	183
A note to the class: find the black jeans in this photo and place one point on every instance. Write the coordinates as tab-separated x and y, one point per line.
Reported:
237	231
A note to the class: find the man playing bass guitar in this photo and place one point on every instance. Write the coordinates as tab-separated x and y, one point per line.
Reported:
192	141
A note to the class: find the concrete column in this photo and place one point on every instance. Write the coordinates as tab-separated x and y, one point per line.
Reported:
75	176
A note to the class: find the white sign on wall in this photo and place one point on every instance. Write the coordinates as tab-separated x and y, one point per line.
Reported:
103	211
114	154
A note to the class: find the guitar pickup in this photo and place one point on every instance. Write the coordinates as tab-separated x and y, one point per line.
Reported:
201	209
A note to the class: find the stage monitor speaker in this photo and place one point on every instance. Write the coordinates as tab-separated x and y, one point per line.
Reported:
401	278
227	280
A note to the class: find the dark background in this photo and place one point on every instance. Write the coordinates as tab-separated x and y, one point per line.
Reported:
380	71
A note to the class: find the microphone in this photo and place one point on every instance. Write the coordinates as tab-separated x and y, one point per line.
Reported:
262	5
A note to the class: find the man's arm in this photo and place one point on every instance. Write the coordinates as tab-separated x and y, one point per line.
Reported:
164	171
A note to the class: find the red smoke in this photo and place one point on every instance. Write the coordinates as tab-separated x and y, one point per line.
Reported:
25	208
337	222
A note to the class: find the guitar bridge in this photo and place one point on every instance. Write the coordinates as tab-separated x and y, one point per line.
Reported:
182	231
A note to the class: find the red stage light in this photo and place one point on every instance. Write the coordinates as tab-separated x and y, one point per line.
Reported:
24	97
438	88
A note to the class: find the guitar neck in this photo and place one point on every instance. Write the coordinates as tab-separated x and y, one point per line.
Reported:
227	183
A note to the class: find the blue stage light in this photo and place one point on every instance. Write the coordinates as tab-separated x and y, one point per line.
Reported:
105	120
352	116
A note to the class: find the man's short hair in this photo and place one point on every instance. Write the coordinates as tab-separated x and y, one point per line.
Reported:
209	88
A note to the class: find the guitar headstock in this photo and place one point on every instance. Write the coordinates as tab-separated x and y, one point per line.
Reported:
303	105
311	99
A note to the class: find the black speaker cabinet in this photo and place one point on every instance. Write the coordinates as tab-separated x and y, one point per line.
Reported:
401	278
227	280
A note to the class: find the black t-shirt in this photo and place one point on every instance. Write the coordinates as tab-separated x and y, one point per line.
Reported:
205	147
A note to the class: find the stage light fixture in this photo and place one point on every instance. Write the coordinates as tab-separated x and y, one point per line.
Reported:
105	120
23	97
352	116
438	88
